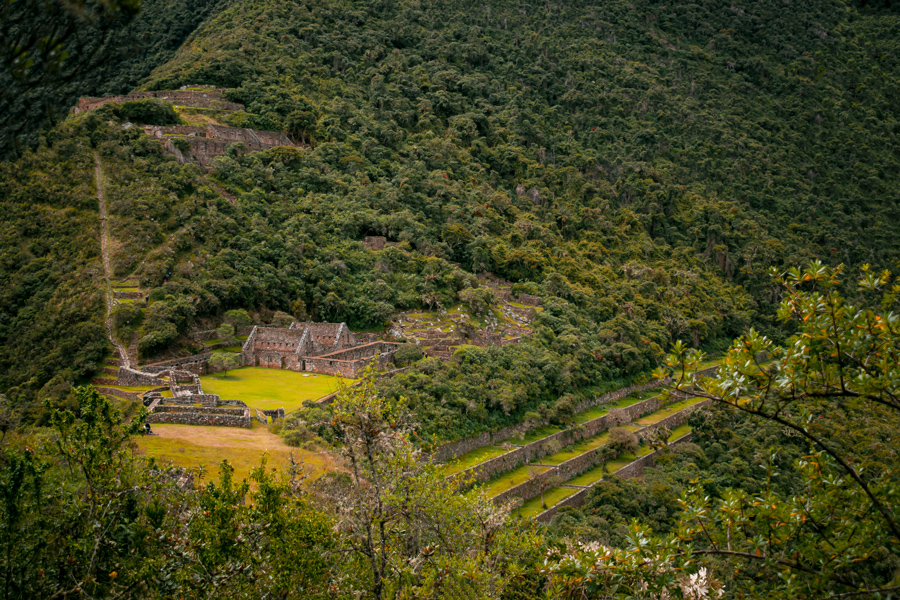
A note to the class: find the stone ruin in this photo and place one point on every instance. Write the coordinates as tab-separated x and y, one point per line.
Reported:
326	348
440	332
376	242
204	97
211	141
188	404
205	142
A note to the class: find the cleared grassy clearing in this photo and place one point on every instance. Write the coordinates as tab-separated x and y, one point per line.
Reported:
229	349
533	507
472	458
668	411
512	479
270	388
192	446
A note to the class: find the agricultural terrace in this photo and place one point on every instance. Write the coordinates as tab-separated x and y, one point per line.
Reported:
192	446
271	388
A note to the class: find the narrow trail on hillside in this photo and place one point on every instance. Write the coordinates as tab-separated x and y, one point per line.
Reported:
107	270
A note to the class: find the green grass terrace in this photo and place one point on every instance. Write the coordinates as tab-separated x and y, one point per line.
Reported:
470	459
271	388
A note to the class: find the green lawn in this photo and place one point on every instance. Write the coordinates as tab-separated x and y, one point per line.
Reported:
512	479
538	434
229	349
679	432
472	458
591	413
576	449
270	388
533	507
668	411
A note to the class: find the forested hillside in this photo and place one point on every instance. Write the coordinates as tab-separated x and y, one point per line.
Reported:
640	166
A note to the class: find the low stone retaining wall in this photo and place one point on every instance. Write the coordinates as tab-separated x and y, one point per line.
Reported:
196	364
118	393
127	295
555	442
632	469
528	489
202	418
132	377
451	450
104	381
168	408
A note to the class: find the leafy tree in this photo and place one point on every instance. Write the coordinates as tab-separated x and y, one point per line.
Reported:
223	362
408	353
405	525
149	111
225	334
238	318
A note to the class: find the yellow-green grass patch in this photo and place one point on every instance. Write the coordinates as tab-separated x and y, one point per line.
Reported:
191	446
137	388
552	497
229	349
679	432
512	479
539	434
270	388
591	414
576	449
470	459
668	411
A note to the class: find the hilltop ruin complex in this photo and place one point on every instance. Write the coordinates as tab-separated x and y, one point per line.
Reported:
203	143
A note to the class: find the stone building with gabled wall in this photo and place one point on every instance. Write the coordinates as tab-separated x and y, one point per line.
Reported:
327	348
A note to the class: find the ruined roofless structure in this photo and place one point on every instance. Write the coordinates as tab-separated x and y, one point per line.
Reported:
327	348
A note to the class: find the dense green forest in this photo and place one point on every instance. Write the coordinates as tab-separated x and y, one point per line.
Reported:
639	166
54	52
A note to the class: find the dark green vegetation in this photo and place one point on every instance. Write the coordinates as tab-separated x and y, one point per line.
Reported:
789	492
640	166
791	488
52	52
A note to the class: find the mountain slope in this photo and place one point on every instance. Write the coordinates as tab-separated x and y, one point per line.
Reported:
638	165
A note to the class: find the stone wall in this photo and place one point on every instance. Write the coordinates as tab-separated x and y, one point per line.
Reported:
167	408
528	489
132	377
209	98
553	443
107	391
202	418
203	150
632	469
196	364
344	368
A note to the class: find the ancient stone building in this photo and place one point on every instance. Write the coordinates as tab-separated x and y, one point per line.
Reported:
328	348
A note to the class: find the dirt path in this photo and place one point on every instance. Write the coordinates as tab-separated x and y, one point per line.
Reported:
107	270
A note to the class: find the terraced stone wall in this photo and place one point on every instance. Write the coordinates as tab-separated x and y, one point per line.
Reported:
107	391
132	377
168	408
632	469
196	364
553	443
531	488
202	418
